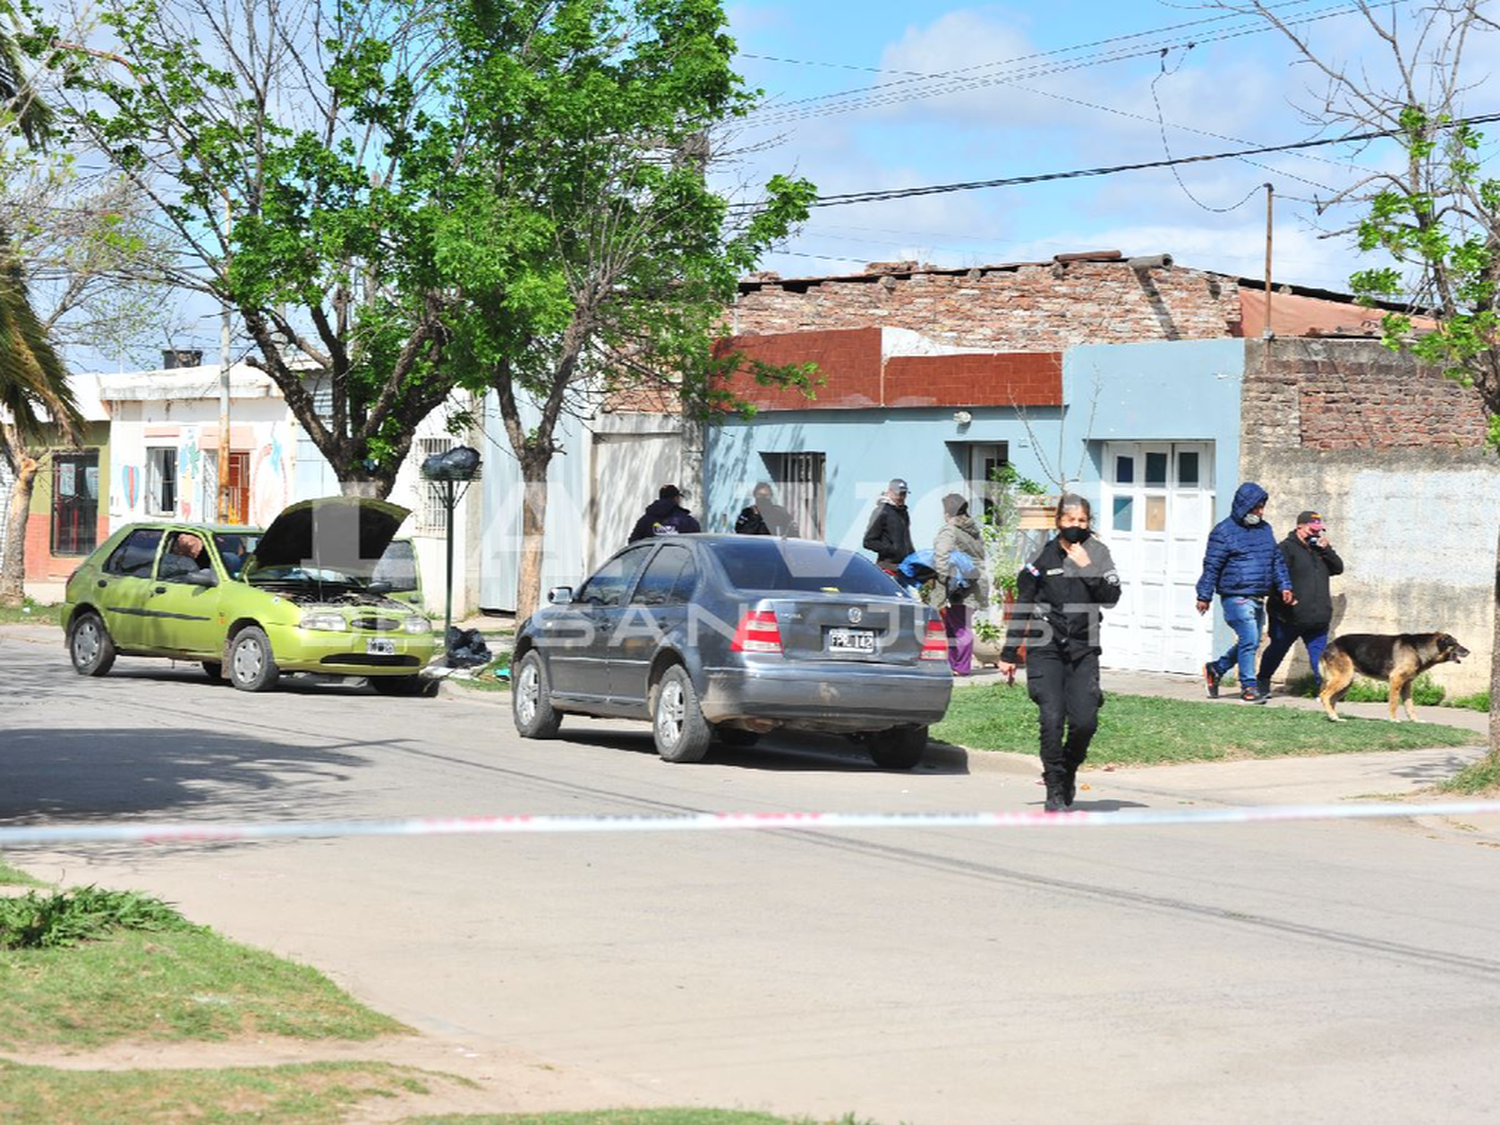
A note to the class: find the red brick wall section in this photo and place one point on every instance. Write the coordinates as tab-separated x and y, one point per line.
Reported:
1031	308
982	379
1354	394
40	564
848	363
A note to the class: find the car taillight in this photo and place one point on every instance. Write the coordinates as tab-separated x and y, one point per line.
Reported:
935	642
757	632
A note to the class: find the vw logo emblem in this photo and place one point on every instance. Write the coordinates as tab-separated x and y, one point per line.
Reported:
855	614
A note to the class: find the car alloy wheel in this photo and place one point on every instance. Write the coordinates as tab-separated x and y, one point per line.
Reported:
86	641
528	692
249	661
671	712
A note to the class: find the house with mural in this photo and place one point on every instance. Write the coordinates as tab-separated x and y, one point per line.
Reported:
166	459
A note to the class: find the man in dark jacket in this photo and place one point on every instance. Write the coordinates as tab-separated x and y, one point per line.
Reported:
765	517
1244	566
666	516
1311	560
889	531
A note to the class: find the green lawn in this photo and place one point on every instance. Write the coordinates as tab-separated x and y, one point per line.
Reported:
15	877
670	1116
31	613
1482	778
310	1093
1135	729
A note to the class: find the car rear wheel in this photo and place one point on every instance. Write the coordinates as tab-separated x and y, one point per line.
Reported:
682	733
398	685
251	666
899	748
531	700
738	739
214	670
90	646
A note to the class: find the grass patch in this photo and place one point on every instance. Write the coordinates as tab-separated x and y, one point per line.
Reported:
64	918
31	612
15	877
1479	701
1425	691
494	676
1481	777
1135	729
174	984
311	1092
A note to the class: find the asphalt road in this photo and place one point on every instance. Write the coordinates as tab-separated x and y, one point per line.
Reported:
1328	971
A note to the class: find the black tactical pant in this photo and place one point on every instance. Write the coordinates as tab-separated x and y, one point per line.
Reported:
1066	689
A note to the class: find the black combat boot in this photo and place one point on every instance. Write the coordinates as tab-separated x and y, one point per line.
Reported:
1056	791
1070	786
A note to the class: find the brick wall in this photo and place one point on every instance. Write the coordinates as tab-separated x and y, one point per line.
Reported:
856	374
1029	308
1392	456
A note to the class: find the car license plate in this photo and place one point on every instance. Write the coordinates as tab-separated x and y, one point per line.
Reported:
380	647
851	640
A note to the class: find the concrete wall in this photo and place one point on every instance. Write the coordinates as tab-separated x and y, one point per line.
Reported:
1390	455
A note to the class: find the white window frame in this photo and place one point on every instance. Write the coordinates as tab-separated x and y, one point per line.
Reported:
800	482
432	514
157	458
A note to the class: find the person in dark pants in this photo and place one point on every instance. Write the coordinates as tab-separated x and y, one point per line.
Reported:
1311	560
1060	596
1244	566
888	533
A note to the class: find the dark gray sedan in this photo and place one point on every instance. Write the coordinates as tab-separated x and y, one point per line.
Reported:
734	635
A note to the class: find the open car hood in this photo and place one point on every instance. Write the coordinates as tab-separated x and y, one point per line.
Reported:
343	533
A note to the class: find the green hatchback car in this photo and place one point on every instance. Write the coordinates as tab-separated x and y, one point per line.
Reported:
301	596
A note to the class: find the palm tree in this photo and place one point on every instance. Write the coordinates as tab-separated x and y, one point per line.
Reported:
33	381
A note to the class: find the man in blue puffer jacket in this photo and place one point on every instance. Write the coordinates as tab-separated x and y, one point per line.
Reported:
1243	565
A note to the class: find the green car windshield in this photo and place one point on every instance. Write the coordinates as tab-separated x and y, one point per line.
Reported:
234	549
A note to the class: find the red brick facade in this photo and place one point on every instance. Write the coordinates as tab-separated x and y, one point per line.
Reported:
856	374
1034	307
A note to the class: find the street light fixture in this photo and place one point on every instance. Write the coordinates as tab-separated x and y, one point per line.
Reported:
453	472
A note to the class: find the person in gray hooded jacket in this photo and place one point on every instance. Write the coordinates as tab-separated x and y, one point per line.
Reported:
959	590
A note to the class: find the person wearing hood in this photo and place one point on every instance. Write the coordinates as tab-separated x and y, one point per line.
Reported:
1311	561
1244	566
888	533
962	584
1060	597
765	517
665	516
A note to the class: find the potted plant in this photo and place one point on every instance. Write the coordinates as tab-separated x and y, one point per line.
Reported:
1008	497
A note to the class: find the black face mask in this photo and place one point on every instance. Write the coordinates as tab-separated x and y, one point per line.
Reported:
1073	534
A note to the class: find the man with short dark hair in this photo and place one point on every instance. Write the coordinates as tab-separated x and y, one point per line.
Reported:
1312	561
889	531
665	516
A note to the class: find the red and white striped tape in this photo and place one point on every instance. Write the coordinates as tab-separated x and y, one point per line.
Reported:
209	831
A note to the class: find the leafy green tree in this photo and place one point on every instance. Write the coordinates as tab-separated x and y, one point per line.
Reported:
1435	213
586	244
298	153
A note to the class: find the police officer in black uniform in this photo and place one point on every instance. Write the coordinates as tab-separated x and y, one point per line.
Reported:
1059	598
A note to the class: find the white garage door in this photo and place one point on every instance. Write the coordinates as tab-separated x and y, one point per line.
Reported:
1157	510
629	469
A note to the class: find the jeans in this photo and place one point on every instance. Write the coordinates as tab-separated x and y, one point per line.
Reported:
1284	635
1247	617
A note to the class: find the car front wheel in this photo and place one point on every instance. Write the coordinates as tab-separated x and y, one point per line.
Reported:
251	666
899	748
682	733
531	703
90	646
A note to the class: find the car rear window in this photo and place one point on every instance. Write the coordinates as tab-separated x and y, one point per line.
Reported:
760	563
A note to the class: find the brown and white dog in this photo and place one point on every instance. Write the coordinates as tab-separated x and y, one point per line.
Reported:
1398	659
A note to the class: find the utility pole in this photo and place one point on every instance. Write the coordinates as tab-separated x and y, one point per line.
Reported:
1266	332
225	495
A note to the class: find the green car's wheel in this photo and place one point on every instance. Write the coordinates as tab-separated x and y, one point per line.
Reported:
682	733
251	667
531	702
90	646
214	671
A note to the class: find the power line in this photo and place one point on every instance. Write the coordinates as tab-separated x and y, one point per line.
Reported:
1109	170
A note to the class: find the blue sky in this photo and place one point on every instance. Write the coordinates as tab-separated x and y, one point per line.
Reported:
1245	87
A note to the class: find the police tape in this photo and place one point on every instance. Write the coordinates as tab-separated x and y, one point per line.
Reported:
210	832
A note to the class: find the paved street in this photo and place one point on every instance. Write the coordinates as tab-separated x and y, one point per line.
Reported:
1332	971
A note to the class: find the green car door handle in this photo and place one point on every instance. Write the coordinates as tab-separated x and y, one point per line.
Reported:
101	583
160	590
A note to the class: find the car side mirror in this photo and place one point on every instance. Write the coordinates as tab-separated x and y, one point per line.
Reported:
200	578
560	595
